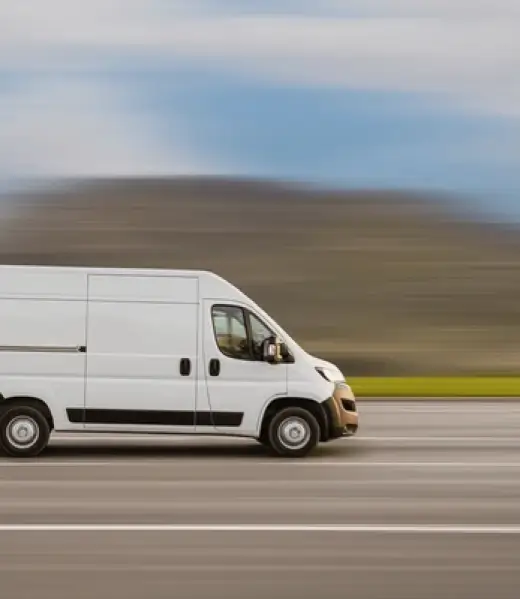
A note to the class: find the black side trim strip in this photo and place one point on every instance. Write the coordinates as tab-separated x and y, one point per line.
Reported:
219	418
154	417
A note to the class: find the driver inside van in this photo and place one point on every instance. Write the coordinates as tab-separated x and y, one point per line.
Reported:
232	337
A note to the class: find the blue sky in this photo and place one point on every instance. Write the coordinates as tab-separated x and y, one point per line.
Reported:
366	93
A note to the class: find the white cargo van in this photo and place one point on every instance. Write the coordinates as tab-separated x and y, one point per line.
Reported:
156	351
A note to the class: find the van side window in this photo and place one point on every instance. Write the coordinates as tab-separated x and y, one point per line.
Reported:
230	329
239	333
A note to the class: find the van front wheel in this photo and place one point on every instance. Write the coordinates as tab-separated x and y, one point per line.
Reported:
293	432
24	431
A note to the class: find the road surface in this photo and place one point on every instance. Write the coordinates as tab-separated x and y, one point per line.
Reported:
424	503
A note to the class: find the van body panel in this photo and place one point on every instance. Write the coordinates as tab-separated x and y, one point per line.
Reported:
41	283
143	288
46	324
39	351
135	352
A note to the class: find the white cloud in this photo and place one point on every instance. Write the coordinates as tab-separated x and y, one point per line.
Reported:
61	124
477	63
458	53
62	127
466	52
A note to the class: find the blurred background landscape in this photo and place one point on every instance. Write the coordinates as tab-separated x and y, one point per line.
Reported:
382	283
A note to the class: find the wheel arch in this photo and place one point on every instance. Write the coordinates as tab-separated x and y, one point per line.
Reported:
317	409
28	400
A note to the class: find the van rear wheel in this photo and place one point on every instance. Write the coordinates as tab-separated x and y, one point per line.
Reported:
24	431
293	432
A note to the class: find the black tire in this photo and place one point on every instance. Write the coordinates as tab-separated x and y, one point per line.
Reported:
300	421
34	421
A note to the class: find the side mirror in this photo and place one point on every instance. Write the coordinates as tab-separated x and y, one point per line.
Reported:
271	351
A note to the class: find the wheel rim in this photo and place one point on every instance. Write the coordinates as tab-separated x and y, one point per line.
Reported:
294	433
23	432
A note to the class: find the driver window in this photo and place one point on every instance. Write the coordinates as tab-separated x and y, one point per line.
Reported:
259	333
230	332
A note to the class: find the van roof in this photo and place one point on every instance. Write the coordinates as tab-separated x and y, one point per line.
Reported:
108	270
51	282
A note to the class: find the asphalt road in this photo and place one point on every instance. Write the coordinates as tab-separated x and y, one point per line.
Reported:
424	503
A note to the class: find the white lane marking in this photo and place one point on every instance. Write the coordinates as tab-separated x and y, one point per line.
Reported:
512	529
259	483
264	482
187	463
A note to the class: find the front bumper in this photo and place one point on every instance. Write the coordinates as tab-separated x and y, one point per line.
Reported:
342	409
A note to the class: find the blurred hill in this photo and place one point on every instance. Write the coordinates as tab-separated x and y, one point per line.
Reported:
382	283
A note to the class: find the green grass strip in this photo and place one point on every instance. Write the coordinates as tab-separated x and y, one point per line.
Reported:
435	386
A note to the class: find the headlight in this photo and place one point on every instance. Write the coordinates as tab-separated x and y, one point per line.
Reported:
327	374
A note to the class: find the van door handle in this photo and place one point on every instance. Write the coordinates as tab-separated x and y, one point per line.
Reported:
185	367
214	367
